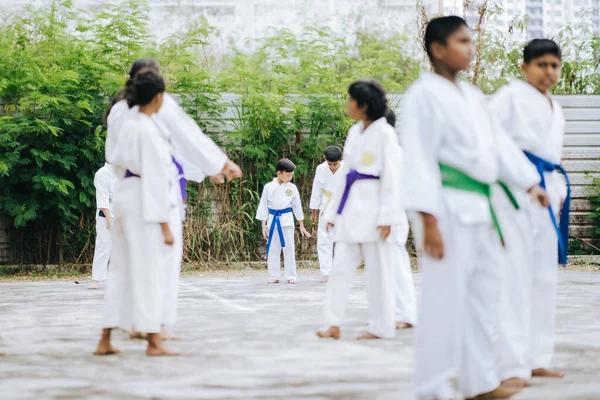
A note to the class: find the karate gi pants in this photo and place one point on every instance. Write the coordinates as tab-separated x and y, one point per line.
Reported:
377	257
134	290
324	247
458	311
101	250
172	267
404	287
289	254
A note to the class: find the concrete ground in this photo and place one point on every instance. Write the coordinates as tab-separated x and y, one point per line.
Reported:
248	340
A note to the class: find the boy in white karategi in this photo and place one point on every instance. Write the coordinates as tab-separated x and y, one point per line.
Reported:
104	182
527	112
452	158
280	198
320	197
362	211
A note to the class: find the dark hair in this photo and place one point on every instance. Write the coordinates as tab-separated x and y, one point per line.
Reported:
439	30
285	165
390	116
369	92
333	153
540	47
137	65
146	84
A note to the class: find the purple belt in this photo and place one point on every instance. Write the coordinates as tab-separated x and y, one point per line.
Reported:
351	178
182	180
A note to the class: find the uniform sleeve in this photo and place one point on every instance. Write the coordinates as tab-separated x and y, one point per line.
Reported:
263	208
421	178
102	184
155	178
514	167
198	154
316	194
297	205
389	179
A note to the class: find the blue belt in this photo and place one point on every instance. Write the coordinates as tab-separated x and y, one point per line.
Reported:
562	229
275	222
351	178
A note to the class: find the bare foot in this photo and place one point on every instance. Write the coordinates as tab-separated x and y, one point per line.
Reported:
138	335
403	325
169	336
93	286
333	333
292	281
547	373
152	351
106	349
501	392
273	281
518	383
368	336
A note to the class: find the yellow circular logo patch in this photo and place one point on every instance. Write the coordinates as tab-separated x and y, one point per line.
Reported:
288	192
367	159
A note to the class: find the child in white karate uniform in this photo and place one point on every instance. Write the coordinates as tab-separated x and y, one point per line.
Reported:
280	198
362	212
527	112
142	206
320	198
104	182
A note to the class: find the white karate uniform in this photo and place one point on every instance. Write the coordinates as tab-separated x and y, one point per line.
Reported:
448	123
405	298
135	291
320	198
104	182
277	196
199	157
528	307
370	203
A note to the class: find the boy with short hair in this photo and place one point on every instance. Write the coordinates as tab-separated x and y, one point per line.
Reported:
322	190
453	157
280	198
527	112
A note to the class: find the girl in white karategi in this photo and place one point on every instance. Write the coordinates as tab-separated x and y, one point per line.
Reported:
142	208
452	159
362	212
322	191
104	182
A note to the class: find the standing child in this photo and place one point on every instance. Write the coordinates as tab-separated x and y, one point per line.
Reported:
452	159
104	182
279	199
362	213
534	119
406	303
322	190
141	234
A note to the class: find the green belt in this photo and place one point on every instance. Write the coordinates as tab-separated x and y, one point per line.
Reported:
456	179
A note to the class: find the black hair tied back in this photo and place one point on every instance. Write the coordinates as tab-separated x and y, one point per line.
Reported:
144	86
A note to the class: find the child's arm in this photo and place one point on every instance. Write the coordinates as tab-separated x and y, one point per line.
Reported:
297	209
169	239
102	184
262	213
315	198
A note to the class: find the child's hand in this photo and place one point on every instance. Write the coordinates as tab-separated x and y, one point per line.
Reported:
217	179
384	231
304	232
329	227
231	170
539	195
432	241
169	239
314	216
265	232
